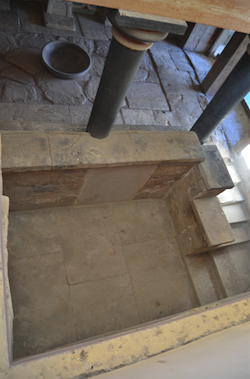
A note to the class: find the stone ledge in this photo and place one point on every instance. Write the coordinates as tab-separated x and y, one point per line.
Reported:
213	222
35	150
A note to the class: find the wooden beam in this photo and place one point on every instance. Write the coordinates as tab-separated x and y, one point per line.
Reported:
225	63
225	14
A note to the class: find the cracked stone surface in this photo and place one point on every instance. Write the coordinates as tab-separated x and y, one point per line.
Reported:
18	93
60	91
146	96
17	75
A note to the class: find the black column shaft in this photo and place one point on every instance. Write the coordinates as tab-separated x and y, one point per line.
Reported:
119	71
230	94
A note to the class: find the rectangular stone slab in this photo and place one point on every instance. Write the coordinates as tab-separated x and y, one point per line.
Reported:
212	220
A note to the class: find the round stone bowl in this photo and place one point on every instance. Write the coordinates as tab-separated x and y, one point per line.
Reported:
65	60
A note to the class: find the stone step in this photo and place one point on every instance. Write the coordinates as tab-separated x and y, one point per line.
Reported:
212	221
241	231
234	175
231	196
236	213
204	278
232	264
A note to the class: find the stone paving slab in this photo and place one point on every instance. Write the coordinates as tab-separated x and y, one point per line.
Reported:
43	326
101	296
200	63
58	91
18	93
146	96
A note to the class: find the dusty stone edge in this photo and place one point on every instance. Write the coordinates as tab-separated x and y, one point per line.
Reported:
95	143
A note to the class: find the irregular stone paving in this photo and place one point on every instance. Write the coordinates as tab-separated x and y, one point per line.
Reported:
165	94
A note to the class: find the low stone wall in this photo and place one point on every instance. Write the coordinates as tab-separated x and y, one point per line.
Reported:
197	215
61	169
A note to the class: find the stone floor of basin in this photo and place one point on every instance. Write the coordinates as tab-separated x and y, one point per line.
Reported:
79	272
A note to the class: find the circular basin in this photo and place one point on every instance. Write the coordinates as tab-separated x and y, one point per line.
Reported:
65	60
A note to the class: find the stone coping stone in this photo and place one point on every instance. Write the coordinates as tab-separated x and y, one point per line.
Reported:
23	151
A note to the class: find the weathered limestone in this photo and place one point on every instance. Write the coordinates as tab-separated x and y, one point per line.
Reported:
147	167
213	222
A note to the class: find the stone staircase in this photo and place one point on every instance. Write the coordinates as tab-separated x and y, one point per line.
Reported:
232	260
218	271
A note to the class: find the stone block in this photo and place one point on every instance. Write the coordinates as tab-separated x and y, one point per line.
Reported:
183	146
32	21
161	180
42	189
25	151
106	185
148	146
213	222
191	240
233	266
214	172
80	150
